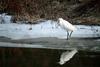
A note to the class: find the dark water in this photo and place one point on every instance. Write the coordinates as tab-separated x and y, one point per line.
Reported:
33	57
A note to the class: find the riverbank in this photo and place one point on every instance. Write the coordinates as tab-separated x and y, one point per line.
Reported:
53	43
46	29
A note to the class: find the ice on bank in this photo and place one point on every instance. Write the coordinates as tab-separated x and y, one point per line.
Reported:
44	29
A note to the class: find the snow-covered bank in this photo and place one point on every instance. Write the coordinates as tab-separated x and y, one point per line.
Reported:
5	18
4	44
45	29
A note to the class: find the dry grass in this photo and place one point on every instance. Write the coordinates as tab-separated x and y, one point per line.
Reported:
33	10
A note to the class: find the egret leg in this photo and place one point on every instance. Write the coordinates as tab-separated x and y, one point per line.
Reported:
67	35
70	33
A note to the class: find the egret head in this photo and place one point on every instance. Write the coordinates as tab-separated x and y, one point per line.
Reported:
59	21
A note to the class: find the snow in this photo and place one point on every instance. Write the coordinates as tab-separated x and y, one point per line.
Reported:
6	18
4	44
44	29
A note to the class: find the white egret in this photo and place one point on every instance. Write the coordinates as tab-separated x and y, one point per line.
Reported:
66	26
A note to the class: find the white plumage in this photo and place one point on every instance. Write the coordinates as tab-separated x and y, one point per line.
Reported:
66	26
66	56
